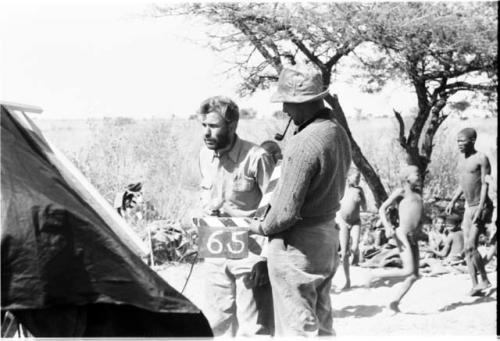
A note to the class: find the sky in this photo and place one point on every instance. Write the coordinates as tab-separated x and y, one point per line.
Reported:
79	59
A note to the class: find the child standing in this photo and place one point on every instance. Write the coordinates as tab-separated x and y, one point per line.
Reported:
411	211
349	221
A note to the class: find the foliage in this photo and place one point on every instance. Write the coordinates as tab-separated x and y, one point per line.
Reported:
279	115
265	37
247	113
120	120
440	49
460	105
167	165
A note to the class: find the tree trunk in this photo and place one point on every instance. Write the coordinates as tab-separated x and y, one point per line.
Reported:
435	122
371	177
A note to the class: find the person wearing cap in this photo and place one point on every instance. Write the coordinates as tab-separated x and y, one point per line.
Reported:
473	167
408	198
129	199
234	176
303	237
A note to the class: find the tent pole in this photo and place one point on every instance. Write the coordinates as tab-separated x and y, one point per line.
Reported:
152	258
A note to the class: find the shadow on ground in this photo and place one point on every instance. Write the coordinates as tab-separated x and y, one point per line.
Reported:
456	305
385	282
358	311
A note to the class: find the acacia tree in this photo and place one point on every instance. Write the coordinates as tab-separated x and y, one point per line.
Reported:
440	49
268	36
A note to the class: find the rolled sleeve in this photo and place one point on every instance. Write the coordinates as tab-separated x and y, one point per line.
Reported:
264	166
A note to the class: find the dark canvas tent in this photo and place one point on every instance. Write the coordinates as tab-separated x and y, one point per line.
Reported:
67	268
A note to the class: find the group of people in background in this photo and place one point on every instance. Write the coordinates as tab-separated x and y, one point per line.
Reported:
313	221
448	239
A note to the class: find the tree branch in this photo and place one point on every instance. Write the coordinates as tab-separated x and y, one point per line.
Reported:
257	43
343	51
457	86
402	138
435	122
311	56
451	73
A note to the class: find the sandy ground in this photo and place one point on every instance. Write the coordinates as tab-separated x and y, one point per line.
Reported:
435	306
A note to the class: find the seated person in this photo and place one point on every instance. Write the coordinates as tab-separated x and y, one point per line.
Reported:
436	236
384	251
367	246
452	254
453	250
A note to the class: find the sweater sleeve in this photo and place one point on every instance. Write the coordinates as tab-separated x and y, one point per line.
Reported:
300	164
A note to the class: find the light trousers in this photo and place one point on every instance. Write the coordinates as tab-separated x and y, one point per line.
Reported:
232	307
301	263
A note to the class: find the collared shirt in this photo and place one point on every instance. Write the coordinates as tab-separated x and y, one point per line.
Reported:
235	181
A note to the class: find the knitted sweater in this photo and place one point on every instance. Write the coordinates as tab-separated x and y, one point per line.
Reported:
313	176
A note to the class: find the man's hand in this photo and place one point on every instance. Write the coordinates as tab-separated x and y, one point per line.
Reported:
258	276
255	227
211	212
449	208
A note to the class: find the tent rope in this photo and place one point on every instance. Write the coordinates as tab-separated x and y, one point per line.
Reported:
190	270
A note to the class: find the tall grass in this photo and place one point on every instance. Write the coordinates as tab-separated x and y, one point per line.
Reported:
163	154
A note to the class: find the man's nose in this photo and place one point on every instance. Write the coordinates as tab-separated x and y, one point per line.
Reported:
208	132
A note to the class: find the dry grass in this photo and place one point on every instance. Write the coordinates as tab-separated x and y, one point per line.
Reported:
163	154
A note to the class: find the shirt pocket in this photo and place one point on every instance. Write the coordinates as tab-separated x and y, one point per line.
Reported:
243	184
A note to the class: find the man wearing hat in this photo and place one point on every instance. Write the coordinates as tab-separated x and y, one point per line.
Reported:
234	175
303	237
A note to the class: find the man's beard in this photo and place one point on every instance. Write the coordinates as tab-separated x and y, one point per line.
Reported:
223	142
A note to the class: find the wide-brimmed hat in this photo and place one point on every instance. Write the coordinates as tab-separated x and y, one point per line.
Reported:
299	85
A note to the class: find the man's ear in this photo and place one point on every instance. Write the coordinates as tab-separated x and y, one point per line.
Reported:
232	126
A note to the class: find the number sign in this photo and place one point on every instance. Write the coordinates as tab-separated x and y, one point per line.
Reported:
222	238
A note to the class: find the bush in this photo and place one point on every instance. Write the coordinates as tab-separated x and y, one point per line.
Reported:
247	113
163	155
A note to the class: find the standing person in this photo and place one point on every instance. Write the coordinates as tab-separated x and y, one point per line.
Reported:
303	237
411	211
349	221
492	193
473	167
234	175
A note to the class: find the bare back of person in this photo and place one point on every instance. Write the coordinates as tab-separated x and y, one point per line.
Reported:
411	210
351	204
